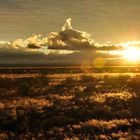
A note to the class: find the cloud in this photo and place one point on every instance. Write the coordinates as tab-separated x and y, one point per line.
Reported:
69	46
33	46
14	55
10	54
25	58
70	39
33	42
78	57
130	43
66	39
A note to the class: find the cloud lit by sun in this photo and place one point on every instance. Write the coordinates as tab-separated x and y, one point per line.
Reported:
130	43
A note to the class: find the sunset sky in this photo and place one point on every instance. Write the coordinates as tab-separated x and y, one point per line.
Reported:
113	21
107	20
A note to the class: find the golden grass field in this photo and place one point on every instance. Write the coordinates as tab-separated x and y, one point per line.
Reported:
70	106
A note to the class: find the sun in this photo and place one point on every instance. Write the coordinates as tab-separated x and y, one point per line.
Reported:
132	54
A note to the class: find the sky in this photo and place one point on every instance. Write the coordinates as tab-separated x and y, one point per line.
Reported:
67	31
107	20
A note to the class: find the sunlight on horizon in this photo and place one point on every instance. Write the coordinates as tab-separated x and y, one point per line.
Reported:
130	52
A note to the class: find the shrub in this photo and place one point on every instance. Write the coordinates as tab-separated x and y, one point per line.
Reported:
24	88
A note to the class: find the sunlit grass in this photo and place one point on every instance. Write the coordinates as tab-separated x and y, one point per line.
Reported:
92	106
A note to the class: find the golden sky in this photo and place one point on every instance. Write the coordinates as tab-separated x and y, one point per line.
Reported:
97	25
107	20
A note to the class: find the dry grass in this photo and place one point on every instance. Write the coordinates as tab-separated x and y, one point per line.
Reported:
70	106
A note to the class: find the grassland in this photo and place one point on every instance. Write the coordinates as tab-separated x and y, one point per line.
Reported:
70	106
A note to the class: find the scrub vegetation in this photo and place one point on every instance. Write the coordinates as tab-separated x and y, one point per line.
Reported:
70	106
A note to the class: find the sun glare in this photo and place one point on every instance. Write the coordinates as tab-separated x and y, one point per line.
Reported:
132	54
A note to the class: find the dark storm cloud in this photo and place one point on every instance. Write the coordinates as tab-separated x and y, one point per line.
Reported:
13	55
19	56
82	58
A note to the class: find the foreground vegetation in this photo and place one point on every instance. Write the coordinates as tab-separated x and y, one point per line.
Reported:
96	106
